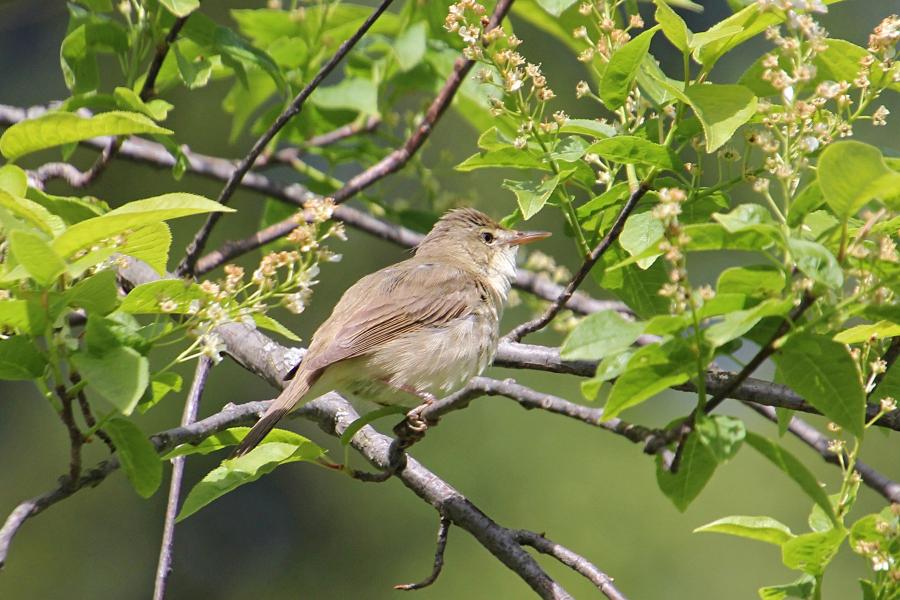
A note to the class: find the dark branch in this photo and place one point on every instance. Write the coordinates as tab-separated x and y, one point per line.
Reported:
576	562
443	531
611	236
289	155
189	416
192	253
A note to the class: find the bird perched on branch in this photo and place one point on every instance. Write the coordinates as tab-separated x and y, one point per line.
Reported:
421	327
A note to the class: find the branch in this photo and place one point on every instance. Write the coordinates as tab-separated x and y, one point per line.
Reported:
443	531
818	442
574	561
186	267
154	154
191	407
289	155
611	236
516	355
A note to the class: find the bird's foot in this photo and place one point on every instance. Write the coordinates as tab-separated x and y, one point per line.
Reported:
412	429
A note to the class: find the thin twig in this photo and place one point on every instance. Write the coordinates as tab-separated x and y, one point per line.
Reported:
389	164
76	438
818	442
611	236
192	253
88	416
293	153
443	531
189	416
148	89
574	561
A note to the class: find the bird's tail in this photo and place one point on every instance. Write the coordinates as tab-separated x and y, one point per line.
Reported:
283	404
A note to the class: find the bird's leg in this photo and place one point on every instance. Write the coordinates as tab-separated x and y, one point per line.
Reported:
412	429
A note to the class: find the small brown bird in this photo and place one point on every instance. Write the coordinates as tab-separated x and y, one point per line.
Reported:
421	327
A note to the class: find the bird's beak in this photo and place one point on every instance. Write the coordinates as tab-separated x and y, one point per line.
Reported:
526	237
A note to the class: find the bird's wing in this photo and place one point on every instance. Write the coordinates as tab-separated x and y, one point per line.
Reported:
397	300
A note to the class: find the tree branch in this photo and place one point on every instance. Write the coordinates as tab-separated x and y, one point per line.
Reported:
443	531
611	236
192	253
191	408
289	155
154	154
577	563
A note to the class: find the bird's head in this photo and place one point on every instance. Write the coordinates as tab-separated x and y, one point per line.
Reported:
474	240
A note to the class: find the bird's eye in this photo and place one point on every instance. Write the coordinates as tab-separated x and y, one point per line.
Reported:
487	237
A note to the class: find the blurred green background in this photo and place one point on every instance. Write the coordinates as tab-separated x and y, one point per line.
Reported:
304	532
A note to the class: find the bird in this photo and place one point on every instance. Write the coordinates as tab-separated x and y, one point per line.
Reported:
421	327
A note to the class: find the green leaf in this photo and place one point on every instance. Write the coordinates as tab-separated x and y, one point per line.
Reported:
35	255
193	71
811	552
20	359
13	180
137	455
267	322
861	333
888	387
801	588
823	372
651	370
697	467
409	47
354	93
32	214
148	297
794	469
721	434
160	386
555	7
131	216
630	149
618	78
737	323
530	195
763	529
589	127
721	109
95	294
128	99
68	208
673	26
233	473
755	280
817	262
808	200
88	37
641	231
640	289
232	437
853	173
120	376
27	316
180	8
59	128
502	157
599	335
747	216
149	243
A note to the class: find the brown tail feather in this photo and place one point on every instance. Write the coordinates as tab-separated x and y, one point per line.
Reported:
286	401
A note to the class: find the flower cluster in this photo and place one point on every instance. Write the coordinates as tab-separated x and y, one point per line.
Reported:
677	289
282	278
812	112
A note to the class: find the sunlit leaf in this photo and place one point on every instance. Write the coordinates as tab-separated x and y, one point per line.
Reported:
137	455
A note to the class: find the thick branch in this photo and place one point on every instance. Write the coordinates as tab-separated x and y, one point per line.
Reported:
186	267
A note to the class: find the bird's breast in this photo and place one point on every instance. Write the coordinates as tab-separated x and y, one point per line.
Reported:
436	360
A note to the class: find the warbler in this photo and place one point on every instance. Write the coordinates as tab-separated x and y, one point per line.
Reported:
421	327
